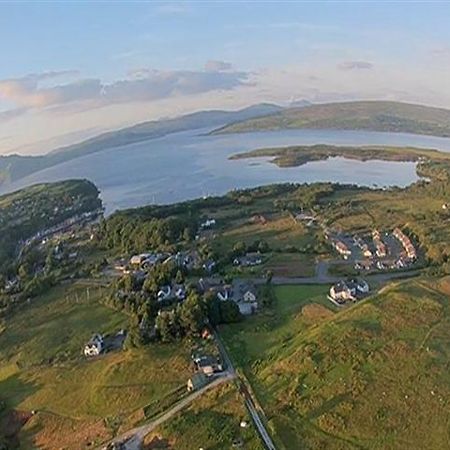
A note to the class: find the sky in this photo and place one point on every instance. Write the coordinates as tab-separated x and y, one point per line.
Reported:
70	70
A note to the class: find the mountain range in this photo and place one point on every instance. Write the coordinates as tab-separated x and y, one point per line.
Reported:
360	115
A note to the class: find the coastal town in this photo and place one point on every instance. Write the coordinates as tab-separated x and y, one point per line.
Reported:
204	280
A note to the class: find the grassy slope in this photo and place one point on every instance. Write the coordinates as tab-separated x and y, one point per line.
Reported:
211	422
373	376
361	115
42	367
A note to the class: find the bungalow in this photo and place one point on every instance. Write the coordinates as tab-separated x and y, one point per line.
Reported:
95	346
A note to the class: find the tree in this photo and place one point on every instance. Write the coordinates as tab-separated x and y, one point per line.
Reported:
239	248
192	314
229	312
168	325
134	337
212	304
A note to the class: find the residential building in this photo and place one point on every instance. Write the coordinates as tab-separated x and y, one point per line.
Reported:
342	248
406	243
348	291
95	346
197	381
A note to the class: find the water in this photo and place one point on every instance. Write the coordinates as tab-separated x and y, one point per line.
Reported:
191	164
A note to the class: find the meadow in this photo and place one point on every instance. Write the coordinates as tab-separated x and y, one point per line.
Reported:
42	369
374	375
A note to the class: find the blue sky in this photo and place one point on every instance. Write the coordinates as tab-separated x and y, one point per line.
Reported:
72	69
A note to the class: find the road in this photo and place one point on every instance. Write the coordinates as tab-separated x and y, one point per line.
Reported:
322	277
248	399
134	438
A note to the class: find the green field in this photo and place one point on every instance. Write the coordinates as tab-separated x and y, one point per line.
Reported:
42	368
371	376
212	422
253	342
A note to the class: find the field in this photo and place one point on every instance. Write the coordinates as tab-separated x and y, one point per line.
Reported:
212	422
279	231
371	376
42	369
252	342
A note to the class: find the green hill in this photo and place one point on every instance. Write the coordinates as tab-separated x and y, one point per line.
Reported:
374	376
361	115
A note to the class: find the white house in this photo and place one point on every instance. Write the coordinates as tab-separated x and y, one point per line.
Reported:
208	223
95	346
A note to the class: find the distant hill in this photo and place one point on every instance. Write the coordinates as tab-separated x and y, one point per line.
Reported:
14	167
362	115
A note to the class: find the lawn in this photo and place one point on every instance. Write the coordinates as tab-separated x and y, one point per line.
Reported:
291	264
42	368
371	376
212	422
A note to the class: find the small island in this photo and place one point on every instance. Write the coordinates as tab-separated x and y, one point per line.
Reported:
429	162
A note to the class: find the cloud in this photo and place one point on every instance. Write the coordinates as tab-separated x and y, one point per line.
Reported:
11	114
355	65
217	66
141	85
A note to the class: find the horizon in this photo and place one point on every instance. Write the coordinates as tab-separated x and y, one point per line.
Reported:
91	69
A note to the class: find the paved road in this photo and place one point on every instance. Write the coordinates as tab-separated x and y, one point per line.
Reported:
322	277
134	438
249	402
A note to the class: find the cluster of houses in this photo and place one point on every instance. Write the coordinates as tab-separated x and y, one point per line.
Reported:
349	291
378	253
406	243
242	292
